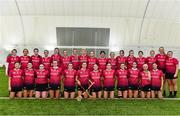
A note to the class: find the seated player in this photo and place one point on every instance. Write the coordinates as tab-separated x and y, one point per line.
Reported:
122	81
108	81
41	82
55	80
16	81
156	81
69	82
145	82
82	79
133	77
29	81
96	77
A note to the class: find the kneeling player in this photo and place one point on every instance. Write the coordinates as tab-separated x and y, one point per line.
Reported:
16	81
82	79
55	79
145	76
122	79
156	81
69	82
29	79
133	77
95	76
108	81
41	82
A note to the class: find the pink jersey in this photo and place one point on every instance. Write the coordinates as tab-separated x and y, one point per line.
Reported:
156	76
161	61
55	75
75	61
109	78
122	78
96	78
113	63
24	60
83	76
36	61
130	61
140	62
56	57
83	59
145	81
11	60
46	61
69	78
42	77
29	76
133	76
120	60
16	76
150	61
91	62
102	63
65	61
171	65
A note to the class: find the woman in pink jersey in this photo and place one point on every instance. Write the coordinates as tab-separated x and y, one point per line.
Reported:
25	59
172	66
29	81
130	59
16	76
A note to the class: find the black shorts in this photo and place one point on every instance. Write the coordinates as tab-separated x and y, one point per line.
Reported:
110	88
81	89
122	88
41	87
16	88
155	88
133	87
170	76
28	86
96	89
69	88
54	86
146	88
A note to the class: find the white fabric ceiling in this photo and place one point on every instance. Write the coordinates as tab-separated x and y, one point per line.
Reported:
157	9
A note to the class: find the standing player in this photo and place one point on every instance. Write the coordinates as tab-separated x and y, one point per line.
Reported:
29	80
121	59
46	60
108	81
41	82
161	62
82	79
172	65
151	59
156	81
55	80
69	82
96	77
112	60
145	82
83	57
16	81
91	61
56	56
74	59
36	59
102	61
133	80
25	59
140	60
11	59
122	81
65	60
130	59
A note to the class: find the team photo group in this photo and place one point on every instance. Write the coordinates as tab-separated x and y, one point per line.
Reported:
82	75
